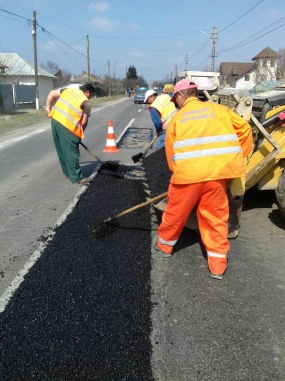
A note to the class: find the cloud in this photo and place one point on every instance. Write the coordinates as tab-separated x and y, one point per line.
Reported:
179	44
103	23
50	46
134	25
100	7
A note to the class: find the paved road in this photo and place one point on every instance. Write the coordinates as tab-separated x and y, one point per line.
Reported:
70	307
34	194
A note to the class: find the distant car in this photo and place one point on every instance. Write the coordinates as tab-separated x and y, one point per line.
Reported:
140	94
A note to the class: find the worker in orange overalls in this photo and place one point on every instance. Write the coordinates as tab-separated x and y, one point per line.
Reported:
205	145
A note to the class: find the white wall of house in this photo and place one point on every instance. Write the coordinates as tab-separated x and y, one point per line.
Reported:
266	69
246	81
45	86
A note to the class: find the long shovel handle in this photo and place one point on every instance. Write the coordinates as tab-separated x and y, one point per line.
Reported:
151	200
91	153
150	144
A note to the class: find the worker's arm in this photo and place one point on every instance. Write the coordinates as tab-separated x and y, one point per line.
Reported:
244	133
84	121
155	117
86	107
53	95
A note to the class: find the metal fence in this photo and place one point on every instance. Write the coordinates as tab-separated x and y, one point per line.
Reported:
14	97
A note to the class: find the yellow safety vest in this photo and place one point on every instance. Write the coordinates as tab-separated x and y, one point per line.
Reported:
165	107
202	143
67	111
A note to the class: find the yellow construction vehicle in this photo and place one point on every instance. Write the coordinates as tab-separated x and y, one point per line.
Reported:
168	88
265	165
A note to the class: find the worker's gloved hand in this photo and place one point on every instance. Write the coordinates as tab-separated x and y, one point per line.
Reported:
158	133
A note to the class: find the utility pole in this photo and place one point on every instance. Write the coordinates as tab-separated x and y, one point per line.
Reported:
34	33
176	73
214	38
109	76
114	76
186	63
88	59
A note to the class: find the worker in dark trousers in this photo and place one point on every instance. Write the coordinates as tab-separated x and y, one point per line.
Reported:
69	117
161	111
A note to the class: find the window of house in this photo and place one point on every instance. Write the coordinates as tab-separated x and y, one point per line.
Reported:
264	63
272	63
247	77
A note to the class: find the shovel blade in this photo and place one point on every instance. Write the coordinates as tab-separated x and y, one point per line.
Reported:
111	166
137	157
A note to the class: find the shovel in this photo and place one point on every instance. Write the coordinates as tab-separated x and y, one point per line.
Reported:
109	165
151	200
141	155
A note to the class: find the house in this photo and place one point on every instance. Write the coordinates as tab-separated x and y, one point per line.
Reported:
20	71
245	75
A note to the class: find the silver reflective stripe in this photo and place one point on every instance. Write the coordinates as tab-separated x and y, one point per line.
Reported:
210	254
205	140
206	152
71	106
170	243
169	115
77	124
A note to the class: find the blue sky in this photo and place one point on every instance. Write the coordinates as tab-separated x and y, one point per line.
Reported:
154	36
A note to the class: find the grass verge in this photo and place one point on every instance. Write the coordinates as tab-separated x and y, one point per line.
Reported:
28	117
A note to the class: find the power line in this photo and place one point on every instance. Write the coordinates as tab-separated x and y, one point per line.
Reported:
241	16
249	39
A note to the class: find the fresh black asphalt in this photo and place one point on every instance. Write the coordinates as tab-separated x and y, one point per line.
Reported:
100	304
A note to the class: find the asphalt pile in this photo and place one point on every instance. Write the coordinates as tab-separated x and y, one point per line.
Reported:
83	310
157	172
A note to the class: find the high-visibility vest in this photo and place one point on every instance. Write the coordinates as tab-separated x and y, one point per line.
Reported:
67	111
165	107
202	143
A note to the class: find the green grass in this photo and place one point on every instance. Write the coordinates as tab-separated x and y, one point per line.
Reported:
29	117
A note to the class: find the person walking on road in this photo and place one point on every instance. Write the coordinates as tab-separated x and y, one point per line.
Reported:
69	117
206	144
129	92
161	111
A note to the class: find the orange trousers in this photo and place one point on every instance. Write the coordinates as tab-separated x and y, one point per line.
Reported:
212	213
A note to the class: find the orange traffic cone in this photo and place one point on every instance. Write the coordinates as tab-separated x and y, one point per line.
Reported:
111	141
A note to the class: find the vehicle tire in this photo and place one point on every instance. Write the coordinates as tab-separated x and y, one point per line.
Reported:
280	193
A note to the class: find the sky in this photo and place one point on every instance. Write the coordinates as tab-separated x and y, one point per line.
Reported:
159	38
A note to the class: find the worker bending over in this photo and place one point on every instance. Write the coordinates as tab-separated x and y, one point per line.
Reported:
161	111
69	120
205	145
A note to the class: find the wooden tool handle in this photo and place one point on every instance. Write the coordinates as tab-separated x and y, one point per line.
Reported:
91	153
137	206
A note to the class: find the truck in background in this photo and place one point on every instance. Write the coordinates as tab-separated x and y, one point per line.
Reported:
206	81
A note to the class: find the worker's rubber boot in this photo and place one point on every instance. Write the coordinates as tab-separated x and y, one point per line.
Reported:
233	233
155	245
85	180
217	276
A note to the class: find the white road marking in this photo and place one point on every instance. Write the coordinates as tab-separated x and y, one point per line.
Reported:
11	141
139	110
125	129
36	132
